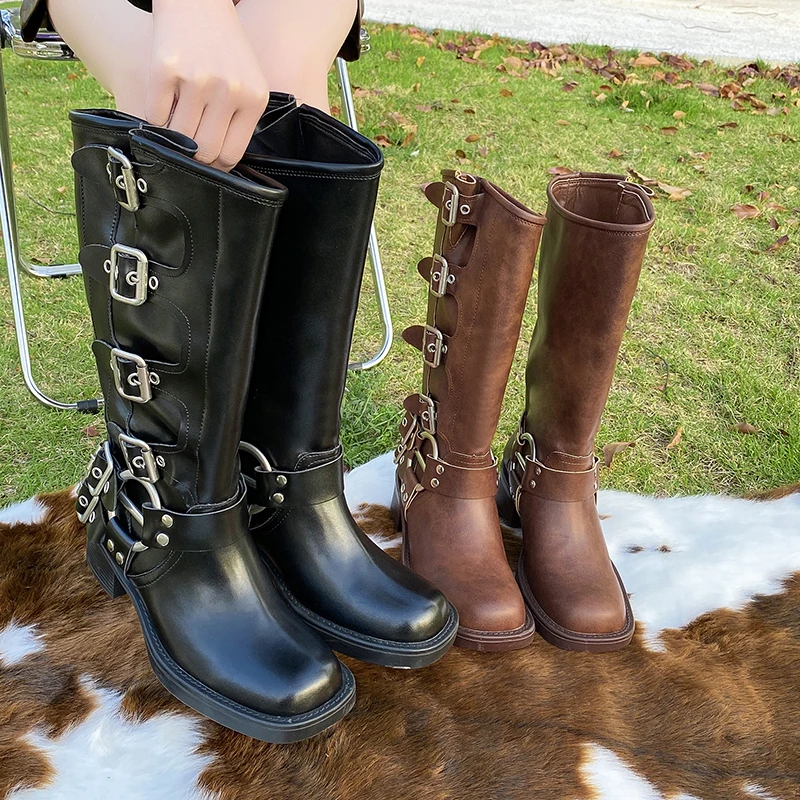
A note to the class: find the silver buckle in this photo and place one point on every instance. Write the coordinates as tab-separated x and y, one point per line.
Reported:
126	180
145	461
143	379
435	347
138	279
440	277
97	476
450	207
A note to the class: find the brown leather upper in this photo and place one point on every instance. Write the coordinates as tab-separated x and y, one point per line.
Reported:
486	244
591	257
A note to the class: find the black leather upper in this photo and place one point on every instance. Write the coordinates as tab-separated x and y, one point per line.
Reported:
293	412
205	238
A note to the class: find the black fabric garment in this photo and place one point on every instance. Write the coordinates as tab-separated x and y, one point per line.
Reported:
33	17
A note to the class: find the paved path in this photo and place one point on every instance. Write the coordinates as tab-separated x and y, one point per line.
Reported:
721	29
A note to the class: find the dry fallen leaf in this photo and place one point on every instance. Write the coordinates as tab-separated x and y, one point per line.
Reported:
473	137
643	60
669	130
563	122
776	245
676	439
746	427
560	171
728	125
745	211
91	430
611	450
709	89
773	223
506	92
392	55
674	193
420	61
679	115
383	141
614	153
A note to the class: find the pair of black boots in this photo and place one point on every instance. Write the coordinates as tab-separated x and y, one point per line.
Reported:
223	308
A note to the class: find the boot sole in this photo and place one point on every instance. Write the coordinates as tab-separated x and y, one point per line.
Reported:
362	646
547	628
201	698
468	638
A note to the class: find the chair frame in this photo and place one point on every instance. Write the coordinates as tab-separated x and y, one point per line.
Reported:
50	47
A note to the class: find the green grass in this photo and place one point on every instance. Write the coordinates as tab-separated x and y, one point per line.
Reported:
714	309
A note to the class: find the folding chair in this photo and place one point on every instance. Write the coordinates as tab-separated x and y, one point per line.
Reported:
50	47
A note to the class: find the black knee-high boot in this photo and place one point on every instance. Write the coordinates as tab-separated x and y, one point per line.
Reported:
174	256
363	602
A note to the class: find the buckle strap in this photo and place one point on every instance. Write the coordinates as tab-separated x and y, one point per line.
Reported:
430	341
547	483
94	485
127	187
133	378
163	529
129	278
140	459
276	488
438	272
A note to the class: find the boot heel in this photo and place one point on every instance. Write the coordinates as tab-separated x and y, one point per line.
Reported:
103	570
506	506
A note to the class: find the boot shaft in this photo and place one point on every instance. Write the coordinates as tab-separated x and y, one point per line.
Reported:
486	244
589	266
174	276
313	282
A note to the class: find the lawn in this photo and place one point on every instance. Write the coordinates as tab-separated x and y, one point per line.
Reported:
713	342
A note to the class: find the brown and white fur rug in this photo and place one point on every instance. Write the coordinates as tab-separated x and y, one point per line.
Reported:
704	704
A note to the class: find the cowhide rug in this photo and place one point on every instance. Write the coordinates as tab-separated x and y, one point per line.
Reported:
705	703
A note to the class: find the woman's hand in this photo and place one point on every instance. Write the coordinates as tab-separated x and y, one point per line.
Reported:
205	80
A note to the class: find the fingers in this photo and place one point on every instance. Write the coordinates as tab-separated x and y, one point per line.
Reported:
189	109
237	137
160	100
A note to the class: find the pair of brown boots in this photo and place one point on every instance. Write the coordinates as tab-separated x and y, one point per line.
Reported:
447	493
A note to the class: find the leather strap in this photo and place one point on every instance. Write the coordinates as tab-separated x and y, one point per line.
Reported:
310	487
468	207
430	341
561	486
195	533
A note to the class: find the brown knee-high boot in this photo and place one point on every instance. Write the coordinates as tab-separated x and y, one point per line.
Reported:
592	253
447	477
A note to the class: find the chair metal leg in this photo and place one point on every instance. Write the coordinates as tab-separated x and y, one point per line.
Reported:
373	252
15	263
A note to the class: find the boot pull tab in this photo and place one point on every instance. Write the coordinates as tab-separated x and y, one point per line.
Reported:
632	189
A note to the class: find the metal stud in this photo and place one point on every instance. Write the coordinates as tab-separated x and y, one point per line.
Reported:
277	498
109	545
160	461
538	470
281	480
405	497
404	422
440	469
465	209
533	484
83	501
434	482
167	521
162	539
120	559
92	517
